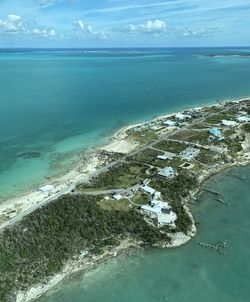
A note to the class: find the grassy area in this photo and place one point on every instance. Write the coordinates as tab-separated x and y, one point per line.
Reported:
200	137
174	147
229	132
208	157
246	127
110	205
199	126
149	156
141	198
119	177
211	109
183	135
216	119
143	137
175	163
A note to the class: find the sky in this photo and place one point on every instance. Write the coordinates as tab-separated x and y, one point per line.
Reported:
124	23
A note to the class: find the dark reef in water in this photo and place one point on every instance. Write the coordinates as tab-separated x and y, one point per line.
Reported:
30	154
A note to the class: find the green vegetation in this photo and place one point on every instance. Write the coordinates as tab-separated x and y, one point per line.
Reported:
216	119
200	137
174	147
209	157
149	156
141	198
199	126
212	109
121	176
246	127
183	135
39	246
120	205
143	137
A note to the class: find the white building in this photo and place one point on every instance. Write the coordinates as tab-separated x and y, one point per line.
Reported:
182	117
147	189
160	210
189	153
117	197
167	172
169	123
166	155
46	188
228	123
243	119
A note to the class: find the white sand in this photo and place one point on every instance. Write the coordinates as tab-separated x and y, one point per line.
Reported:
121	146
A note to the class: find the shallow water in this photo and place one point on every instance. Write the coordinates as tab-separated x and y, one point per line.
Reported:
187	274
57	103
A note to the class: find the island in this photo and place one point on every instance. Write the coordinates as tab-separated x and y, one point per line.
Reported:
135	192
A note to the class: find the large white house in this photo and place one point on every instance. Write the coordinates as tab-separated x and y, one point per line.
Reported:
160	210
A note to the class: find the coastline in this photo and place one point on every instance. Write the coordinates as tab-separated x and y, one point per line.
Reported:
83	172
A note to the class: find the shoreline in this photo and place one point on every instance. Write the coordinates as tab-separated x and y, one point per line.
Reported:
118	143
110	144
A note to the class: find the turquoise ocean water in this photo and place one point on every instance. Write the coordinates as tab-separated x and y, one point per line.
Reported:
56	103
190	273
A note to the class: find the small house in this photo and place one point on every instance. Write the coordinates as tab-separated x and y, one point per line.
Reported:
117	197
169	123
228	123
166	155
189	153
215	134
167	172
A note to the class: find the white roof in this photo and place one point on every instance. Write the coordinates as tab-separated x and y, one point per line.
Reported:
166	155
243	119
189	153
228	123
163	157
117	196
182	116
157	194
166	172
169	123
148	189
46	188
156	209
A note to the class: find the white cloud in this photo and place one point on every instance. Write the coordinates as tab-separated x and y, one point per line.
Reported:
150	27
15	25
83	30
199	33
46	3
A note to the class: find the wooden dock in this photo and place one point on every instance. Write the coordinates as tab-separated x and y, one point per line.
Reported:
211	191
219	247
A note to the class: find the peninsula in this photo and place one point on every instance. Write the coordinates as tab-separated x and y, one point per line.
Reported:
134	192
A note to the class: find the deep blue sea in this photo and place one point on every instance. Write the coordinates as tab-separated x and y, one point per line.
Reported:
56	103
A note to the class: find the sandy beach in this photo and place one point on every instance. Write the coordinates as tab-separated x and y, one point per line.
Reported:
22	205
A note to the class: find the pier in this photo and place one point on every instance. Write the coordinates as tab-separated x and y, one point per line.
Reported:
217	196
219	247
211	191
